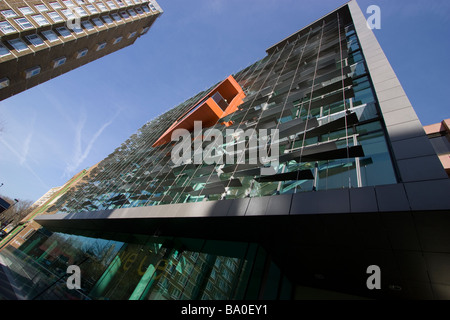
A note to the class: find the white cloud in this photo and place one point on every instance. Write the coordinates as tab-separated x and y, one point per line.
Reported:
79	154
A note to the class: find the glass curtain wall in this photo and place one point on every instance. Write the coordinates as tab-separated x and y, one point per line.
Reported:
314	90
148	268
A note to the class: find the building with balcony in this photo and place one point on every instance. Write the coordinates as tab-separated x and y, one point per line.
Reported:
41	40
353	183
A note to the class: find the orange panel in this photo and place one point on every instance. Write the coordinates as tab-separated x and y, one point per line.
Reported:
228	94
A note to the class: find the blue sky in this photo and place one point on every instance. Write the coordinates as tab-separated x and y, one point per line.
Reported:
55	130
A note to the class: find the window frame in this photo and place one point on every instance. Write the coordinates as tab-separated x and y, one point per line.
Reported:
8	26
13	15
102	6
107	15
63	28
125	14
66	2
21	25
101	46
4	82
50	32
55	5
89	22
41	5
54	13
30	70
57	62
117	15
82	53
46	21
83	12
117	39
28	10
18	40
111	4
90	6
98	19
2	46
31	41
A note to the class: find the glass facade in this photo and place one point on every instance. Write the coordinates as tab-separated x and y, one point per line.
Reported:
314	89
140	268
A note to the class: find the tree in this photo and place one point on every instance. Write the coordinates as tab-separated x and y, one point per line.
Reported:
16	212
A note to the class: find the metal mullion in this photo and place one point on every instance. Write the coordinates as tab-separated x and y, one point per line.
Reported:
213	169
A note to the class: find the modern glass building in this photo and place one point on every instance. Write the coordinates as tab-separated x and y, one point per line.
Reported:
356	183
42	39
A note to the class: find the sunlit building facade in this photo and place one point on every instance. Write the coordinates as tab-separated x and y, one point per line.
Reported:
356	183
41	40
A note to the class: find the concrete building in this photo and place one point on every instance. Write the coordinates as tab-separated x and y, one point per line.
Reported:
41	40
355	204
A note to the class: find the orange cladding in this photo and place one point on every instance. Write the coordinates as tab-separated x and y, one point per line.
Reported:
218	103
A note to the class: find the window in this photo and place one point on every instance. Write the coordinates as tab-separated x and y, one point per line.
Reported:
129	2
144	30
6	27
124	14
55	16
87	25
80	1
111	4
132	12
56	5
117	40
440	143
9	13
102	6
18	44
68	13
4	51
58	62
121	4
82	53
107	19
64	32
35	40
32	72
139	10
40	20
97	22
41	7
131	34
116	16
76	29
100	46
145	8
91	8
50	35
26	10
68	3
81	12
23	23
4	82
